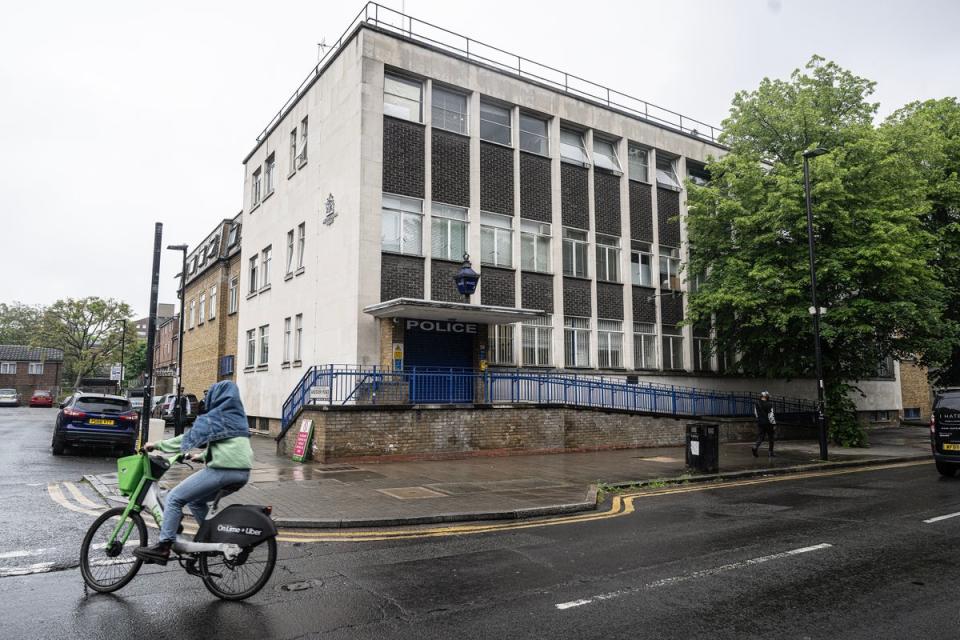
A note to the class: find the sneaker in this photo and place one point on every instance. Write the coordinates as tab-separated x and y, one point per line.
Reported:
753	450
157	554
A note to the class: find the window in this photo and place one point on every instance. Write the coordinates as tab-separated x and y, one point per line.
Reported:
537	342
265	258
698	173
608	258
885	367
253	275
293	151
8	367
533	135
251	347
234	298
297	337
672	347
213	302
287	335
610	343
201	317
226	366
644	345
534	246
234	235
495	123
302	150
35	368
666	174
641	265
290	251
496	239
301	243
879	416
913	413
448	232
193	314
402	97
605	154
574	253
571	147
500	347
669	268
576	341
402	223
264	344
701	349
449	110
270	169
255	188
638	161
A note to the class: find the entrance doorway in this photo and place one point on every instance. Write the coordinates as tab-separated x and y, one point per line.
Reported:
440	355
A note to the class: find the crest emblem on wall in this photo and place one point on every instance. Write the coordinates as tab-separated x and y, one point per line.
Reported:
331	210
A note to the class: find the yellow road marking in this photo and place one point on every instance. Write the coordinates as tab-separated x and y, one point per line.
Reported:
53	490
79	497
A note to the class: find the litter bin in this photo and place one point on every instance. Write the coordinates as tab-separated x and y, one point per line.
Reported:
703	446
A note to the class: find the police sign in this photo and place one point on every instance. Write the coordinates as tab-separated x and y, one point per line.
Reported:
441	326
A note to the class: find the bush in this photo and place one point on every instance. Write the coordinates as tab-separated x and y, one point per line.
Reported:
843	427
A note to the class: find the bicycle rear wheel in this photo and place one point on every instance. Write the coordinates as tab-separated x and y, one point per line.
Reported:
242	577
107	566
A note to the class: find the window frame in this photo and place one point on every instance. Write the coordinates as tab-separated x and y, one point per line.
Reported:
302	149
251	348
461	119
537	335
542	138
442	220
201	308
493	123
495	233
256	186
264	345
668	258
301	243
533	230
213	303
402	80
670	341
253	273
287	337
639	249
298	337
35	368
667	176
644	341
608	253
233	302
270	173
578	251
570	152
609	162
576	339
8	368
293	152
266	256
193	314
610	343
290	241
634	151
500	342
401	215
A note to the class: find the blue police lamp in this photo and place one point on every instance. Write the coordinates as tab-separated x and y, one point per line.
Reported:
466	279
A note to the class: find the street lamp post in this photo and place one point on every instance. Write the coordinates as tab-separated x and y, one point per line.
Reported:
123	337
178	409
821	422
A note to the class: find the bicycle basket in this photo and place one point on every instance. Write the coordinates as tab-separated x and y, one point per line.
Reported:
129	473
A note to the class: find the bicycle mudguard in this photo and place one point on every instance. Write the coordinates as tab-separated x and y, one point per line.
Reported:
241	524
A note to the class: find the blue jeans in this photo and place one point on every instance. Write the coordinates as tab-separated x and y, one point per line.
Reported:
195	492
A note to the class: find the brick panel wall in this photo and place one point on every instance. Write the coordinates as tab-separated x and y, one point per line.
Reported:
644	309
450	168
442	286
400	277
641	211
26	383
535	199
610	300
403	157
498	287
606	199
536	291
496	178
915	388
668	206
671	309
576	297
201	344
574	198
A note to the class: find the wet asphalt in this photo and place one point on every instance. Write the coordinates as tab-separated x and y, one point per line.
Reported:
842	556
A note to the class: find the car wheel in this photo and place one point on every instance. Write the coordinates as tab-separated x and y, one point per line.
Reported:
946	469
57	446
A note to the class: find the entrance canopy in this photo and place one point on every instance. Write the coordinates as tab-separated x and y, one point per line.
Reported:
450	311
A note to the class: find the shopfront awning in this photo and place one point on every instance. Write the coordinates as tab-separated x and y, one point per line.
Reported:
450	311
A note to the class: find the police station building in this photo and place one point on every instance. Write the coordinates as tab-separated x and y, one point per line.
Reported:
409	147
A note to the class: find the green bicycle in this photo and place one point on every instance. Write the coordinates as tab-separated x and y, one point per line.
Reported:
233	552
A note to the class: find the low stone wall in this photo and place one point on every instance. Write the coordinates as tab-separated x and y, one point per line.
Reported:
391	433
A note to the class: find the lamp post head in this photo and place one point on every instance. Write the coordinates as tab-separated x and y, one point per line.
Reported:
813	153
466	279
177	247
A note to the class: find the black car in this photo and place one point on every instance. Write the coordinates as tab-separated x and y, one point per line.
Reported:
96	420
945	431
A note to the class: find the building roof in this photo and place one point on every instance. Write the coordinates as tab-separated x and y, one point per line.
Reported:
19	352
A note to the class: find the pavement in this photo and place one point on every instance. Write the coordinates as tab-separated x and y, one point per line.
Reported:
314	495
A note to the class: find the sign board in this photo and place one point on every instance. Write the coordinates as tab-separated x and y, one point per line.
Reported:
320	393
301	447
397	356
115	372
164	373
441	326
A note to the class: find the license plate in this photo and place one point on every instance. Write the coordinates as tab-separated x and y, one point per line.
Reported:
948	446
100	421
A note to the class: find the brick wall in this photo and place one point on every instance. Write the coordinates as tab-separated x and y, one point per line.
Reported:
400	277
610	300
230	325
606	198
450	168
536	291
201	344
641	211
576	297
644	309
442	286
403	157
535	198
498	287
671	309
574	197
668	212
496	178
915	388
26	383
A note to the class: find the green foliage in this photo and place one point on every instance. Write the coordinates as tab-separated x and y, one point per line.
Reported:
135	357
843	428
875	254
19	323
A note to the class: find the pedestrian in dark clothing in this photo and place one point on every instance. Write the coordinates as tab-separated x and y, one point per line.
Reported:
766	422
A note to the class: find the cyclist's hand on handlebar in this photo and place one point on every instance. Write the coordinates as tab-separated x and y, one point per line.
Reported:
149	446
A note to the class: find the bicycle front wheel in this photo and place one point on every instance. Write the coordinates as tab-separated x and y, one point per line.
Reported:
243	576
109	565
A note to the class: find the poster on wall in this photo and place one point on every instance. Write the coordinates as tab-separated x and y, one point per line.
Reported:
301	447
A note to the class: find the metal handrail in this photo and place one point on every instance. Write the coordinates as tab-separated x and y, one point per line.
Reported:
563	81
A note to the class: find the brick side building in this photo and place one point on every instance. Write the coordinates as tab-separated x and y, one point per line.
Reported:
915	389
29	369
165	355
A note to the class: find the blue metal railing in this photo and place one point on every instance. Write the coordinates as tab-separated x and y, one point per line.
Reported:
357	385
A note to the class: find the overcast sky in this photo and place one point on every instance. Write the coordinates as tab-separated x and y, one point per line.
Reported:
116	115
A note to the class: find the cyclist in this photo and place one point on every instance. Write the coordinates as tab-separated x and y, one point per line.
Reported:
224	431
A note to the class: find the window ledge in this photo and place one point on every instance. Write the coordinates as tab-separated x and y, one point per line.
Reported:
539	273
668	187
254	207
248	369
262	367
497	266
584	278
639	181
609	281
575	163
406	255
299	271
611	172
267	196
289	276
301	164
285	365
291	174
456	133
264	288
498	144
534	153
399	119
231	313
297	363
252	294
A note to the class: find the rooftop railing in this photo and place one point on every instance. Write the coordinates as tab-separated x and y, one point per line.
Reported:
398	23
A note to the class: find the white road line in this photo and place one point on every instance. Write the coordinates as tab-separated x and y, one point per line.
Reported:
690	576
57	496
40	567
939	518
22	553
79	497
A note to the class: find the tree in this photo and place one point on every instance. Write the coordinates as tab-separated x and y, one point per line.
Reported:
89	331
136	360
747	231
19	323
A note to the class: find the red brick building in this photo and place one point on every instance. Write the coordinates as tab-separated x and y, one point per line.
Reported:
28	369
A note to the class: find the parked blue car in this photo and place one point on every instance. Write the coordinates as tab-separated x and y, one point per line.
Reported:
95	420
